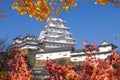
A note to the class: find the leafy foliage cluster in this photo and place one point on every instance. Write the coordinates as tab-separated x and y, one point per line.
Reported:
18	67
42	9
93	68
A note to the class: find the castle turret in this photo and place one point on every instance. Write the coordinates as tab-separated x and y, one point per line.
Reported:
27	42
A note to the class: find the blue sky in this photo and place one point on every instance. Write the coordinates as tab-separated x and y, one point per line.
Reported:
90	22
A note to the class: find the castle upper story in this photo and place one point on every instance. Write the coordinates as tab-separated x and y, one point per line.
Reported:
55	35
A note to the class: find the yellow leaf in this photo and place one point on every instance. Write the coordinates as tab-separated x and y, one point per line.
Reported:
102	2
61	0
66	8
30	16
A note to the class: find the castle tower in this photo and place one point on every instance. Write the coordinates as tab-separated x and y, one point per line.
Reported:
55	35
27	42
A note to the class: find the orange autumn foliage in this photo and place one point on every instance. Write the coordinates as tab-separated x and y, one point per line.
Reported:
61	72
18	67
93	68
41	9
38	9
98	69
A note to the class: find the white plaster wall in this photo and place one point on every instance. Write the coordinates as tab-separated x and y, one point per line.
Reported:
77	53
102	56
82	58
29	47
79	58
104	49
53	55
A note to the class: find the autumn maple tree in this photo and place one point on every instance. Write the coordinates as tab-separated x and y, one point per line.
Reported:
61	72
18	67
93	68
100	69
42	9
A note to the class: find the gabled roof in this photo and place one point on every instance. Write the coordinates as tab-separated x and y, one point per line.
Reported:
78	50
18	37
105	43
55	19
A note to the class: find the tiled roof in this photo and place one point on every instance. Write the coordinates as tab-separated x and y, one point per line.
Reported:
78	50
107	44
18	37
30	35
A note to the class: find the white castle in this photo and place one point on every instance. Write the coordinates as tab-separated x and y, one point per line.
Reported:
55	41
55	35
